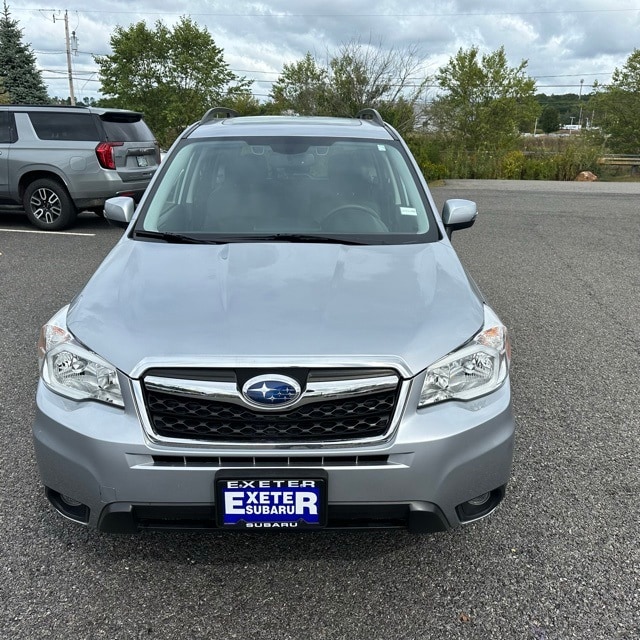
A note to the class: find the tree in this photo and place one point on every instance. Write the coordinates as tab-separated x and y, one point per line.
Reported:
549	120
4	94
617	107
357	75
567	104
172	75
368	75
244	102
483	101
21	78
88	101
301	87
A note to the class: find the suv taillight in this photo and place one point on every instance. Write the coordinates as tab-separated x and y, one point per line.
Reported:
104	151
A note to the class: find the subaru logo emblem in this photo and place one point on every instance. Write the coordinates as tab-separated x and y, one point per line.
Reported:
271	391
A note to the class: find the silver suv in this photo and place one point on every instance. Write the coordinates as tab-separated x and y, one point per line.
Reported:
284	337
55	161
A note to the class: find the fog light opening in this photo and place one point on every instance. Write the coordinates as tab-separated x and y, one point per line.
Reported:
480	506
476	502
68	507
70	501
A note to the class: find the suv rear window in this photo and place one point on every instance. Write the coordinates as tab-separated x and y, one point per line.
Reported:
64	126
126	128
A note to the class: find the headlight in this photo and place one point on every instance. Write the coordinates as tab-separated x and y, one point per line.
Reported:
71	370
477	368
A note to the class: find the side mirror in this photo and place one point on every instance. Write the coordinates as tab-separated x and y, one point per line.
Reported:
458	214
119	210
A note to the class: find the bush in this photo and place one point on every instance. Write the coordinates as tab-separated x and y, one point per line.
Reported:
539	168
539	158
513	165
427	155
576	158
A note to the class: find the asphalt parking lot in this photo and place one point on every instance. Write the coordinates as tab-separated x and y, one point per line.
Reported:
560	559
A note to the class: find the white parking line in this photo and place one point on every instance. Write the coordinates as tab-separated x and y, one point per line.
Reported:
55	233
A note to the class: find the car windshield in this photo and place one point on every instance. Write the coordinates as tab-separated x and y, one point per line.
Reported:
362	191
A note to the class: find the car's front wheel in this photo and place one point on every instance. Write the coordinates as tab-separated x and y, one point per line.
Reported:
48	205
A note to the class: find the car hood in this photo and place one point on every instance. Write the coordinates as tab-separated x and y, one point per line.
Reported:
151	303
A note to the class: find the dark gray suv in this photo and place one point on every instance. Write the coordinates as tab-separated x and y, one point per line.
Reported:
56	161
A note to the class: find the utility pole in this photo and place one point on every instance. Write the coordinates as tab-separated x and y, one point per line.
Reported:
66	37
72	96
580	101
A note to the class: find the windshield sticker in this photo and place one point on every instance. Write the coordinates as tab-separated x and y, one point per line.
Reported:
381	147
408	211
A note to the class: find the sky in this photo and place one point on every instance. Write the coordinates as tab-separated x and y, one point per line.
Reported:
568	46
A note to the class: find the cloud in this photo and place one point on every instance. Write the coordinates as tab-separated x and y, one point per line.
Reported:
564	41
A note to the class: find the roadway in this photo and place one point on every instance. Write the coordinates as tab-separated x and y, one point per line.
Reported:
559	560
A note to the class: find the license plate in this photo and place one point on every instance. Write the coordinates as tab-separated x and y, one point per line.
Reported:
142	161
271	501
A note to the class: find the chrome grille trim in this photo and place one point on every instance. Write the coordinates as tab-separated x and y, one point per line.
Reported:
274	362
316	391
154	439
210	389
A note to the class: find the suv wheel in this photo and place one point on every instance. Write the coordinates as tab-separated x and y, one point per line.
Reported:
48	205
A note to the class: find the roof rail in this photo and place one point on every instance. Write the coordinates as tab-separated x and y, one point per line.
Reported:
216	112
46	106
371	114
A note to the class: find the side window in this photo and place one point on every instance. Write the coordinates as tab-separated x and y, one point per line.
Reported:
6	122
64	126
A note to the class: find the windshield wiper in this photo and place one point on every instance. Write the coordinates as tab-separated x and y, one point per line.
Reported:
294	237
181	238
178	238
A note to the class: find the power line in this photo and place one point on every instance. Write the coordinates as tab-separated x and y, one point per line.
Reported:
279	73
74	77
76	72
576	75
456	14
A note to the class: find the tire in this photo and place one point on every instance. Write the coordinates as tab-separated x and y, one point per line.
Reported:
48	205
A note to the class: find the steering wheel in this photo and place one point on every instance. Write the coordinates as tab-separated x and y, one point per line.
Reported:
350	217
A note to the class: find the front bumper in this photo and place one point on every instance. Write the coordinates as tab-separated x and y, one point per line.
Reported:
437	459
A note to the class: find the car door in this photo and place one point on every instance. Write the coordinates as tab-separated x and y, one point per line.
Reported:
6	136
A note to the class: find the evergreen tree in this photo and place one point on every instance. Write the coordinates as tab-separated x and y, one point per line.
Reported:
4	94
22	80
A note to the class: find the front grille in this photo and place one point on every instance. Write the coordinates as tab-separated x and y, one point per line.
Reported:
328	421
177	409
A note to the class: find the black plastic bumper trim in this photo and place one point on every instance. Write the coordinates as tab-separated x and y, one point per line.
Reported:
416	517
